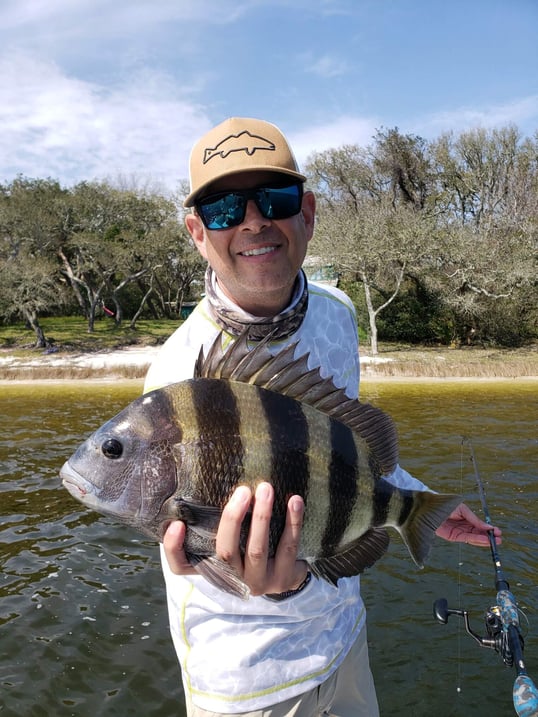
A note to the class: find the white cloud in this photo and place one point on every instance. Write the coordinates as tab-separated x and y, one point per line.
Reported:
51	21
340	131
521	112
327	67
52	124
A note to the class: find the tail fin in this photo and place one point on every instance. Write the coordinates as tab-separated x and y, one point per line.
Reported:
429	512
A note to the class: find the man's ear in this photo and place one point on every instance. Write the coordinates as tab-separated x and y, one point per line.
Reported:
308	210
195	228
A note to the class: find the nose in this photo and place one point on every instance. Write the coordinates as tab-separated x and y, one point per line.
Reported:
254	220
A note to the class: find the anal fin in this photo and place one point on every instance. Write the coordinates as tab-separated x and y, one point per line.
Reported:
353	558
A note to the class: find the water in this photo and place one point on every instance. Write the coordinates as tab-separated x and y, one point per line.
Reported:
83	624
421	667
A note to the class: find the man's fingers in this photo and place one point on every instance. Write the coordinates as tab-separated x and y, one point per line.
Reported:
287	566
257	549
173	549
288	546
229	531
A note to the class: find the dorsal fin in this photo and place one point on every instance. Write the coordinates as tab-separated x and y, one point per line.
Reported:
292	377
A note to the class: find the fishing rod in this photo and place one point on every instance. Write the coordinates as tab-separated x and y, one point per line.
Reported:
502	620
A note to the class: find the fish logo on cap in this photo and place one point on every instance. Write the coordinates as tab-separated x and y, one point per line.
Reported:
242	142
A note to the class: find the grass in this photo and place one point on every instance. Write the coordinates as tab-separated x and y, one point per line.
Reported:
70	334
71	373
444	362
70	337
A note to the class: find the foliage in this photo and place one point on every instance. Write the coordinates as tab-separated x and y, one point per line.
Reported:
415	316
370	219
91	247
436	241
457	216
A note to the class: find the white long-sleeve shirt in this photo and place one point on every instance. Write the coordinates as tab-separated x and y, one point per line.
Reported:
236	655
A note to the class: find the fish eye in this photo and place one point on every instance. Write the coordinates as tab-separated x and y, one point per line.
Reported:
112	448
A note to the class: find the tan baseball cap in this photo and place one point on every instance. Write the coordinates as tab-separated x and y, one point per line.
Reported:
239	144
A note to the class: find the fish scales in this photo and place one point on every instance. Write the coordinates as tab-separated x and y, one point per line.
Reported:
233	423
219	443
296	448
343	473
248	416
288	446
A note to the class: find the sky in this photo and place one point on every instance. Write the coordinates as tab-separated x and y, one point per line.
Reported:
119	90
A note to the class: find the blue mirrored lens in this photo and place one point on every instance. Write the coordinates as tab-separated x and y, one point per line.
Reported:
279	202
223	213
228	209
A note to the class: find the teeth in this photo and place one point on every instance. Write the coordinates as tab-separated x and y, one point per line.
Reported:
258	252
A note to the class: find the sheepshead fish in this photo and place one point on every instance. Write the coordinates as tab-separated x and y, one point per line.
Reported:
180	451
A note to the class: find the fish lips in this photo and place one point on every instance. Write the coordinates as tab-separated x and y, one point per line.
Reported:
79	487
87	493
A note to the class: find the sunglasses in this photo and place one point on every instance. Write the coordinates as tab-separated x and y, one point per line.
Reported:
227	209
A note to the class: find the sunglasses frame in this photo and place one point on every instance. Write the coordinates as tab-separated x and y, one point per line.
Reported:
246	195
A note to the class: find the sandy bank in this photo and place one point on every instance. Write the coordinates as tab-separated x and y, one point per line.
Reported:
413	365
129	356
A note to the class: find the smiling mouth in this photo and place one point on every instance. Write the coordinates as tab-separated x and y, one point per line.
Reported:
259	252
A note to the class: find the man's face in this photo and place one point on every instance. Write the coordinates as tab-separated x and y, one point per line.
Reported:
256	263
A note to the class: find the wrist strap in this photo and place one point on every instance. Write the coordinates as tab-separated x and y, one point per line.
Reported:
277	597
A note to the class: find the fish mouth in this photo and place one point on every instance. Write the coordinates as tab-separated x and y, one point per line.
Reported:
85	492
73	481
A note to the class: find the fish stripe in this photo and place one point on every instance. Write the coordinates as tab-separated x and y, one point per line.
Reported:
343	477
289	448
383	493
407	504
221	455
254	435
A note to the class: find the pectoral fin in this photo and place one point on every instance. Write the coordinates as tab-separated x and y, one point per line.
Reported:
202	519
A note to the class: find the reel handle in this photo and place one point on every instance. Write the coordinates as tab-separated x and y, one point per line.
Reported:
442	612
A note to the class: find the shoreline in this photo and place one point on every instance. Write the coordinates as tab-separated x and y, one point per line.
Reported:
131	363
370	378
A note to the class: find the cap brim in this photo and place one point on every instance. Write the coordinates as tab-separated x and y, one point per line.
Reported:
190	200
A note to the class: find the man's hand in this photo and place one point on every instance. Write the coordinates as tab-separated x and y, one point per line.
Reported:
262	574
463	526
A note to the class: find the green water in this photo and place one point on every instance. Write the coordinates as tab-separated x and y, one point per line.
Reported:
83	624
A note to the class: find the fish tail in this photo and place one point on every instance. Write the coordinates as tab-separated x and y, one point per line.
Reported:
429	511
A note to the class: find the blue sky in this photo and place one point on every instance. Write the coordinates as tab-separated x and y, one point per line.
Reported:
94	89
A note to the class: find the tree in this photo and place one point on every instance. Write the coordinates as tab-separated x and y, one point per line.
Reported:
474	172
370	219
115	245
29	287
28	270
487	210
404	161
378	244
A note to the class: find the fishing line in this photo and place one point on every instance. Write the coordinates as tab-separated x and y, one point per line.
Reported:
460	590
502	625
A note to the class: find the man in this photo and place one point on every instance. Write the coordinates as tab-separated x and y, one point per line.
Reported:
298	645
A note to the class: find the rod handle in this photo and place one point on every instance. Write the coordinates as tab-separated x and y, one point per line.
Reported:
525	697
